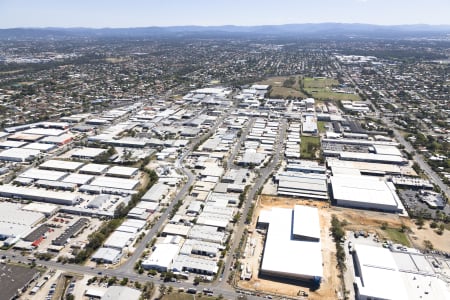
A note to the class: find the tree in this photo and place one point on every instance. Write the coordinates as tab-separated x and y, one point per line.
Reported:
384	225
124	281
162	289
428	245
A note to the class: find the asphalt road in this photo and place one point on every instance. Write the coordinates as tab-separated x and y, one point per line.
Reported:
419	159
239	228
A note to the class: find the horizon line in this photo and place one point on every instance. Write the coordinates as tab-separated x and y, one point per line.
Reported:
223	25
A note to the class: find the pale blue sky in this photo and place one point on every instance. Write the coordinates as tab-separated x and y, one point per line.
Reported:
140	13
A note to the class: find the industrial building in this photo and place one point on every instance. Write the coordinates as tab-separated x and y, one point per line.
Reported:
15	192
164	254
298	184
19	154
387	274
15	222
61	165
124	172
292	248
87	153
156	193
116	292
365	192
107	255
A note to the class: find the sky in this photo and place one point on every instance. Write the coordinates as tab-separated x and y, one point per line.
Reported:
142	13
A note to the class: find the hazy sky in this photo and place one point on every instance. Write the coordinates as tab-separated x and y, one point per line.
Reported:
139	13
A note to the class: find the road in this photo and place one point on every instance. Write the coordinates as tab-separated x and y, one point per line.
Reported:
240	227
418	158
239	142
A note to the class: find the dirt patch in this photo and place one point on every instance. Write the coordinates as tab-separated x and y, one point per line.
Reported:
369	221
418	236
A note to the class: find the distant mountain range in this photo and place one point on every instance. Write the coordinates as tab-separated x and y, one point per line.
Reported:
305	30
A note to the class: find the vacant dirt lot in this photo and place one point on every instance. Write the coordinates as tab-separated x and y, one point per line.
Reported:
357	220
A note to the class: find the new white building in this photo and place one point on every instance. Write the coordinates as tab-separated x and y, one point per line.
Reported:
296	256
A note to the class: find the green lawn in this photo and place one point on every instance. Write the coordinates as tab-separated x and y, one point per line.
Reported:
396	236
321	89
309	146
309	82
321	126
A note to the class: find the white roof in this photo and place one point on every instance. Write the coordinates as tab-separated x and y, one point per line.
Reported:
121	292
18	153
162	257
289	257
88	152
363	189
197	263
78	178
378	273
65	198
107	254
45	208
61	165
113	182
39	146
134	223
123	171
44	131
43	174
119	239
12	213
94	168
387	150
306	222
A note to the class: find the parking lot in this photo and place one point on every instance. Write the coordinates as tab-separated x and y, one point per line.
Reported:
412	203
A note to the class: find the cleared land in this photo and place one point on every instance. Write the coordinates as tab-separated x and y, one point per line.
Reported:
321	89
369	221
279	90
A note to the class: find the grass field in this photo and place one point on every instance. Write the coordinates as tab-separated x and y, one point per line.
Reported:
321	126
395	235
321	89
309	145
279	91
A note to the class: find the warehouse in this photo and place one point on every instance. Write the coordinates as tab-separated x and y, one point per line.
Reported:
116	292
197	265
11	144
63	198
45	208
15	222
55	185
207	234
23	137
15	280
19	154
364	168
94	169
61	165
365	192
117	183
119	240
213	219
37	174
176	229
298	184
124	172
134	223
39	146
44	131
163	256
58	140
201	248
150	207
378	274
301	252
107	256
78	179
373	158
88	153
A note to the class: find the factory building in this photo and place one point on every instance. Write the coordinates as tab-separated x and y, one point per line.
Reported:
292	248
365	192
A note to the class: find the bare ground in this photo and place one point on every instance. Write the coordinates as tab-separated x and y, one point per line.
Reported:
370	221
